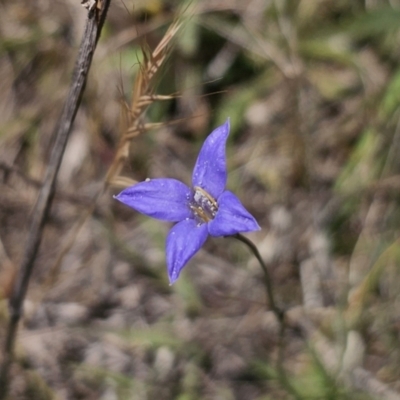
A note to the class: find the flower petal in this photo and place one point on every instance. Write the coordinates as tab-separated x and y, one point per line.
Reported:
165	199
231	217
183	242
210	170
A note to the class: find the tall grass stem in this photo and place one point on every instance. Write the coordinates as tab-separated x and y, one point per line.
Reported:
94	24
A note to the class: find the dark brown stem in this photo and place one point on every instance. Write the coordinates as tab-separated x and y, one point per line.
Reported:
94	24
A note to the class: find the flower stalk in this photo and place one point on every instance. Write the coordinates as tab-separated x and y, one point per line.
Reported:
279	314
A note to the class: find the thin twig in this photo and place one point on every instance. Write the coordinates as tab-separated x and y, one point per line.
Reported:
94	24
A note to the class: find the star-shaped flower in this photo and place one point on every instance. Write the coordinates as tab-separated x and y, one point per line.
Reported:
205	209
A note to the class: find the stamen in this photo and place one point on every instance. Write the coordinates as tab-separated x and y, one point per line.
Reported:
204	206
199	191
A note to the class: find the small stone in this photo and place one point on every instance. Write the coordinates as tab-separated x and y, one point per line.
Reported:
68	313
129	297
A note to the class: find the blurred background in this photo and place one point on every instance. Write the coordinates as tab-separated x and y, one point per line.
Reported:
312	88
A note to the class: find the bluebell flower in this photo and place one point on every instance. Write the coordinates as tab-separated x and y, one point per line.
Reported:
204	209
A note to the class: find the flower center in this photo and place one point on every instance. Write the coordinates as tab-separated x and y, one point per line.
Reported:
203	205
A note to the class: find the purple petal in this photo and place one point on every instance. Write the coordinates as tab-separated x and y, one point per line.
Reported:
210	170
231	217
165	199
183	241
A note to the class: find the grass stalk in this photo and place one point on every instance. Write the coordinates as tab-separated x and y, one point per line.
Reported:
94	24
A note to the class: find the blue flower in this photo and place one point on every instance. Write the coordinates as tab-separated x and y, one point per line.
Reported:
205	209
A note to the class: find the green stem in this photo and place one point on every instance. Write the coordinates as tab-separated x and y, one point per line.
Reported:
279	314
267	278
